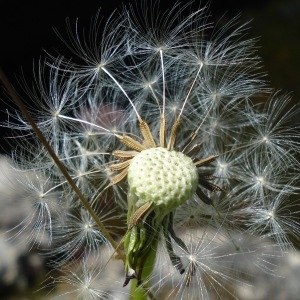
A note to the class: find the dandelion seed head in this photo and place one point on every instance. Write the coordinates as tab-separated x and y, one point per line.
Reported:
271	214
222	166
88	226
192	258
168	178
260	180
157	120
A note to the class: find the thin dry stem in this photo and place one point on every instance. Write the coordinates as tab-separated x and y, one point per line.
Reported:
59	164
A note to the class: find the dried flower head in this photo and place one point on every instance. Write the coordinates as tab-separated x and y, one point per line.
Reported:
156	121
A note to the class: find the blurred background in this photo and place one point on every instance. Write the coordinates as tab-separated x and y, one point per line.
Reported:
26	29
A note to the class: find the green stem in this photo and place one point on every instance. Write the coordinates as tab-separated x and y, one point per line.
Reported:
142	292
137	293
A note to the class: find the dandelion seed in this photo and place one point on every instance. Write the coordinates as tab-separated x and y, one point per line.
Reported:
278	218
85	281
156	121
41	203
